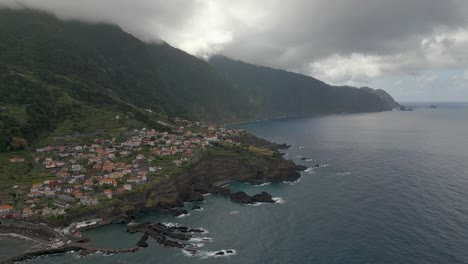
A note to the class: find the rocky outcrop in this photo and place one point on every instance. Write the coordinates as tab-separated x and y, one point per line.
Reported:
240	197
196	207
263	197
169	236
243	198
142	241
177	212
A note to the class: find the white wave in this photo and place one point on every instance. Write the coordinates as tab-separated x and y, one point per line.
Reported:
201	239
278	200
196	245
343	173
204	231
300	147
206	194
209	254
293	182
201	209
234	213
263	184
183	215
78	256
298	156
309	160
169	224
255	204
132	223
310	170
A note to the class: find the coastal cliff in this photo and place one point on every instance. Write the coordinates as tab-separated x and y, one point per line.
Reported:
219	164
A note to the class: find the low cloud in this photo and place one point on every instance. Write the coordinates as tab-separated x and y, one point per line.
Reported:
340	41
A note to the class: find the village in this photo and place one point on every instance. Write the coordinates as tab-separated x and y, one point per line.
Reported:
89	174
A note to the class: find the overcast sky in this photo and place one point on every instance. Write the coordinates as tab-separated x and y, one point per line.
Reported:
415	49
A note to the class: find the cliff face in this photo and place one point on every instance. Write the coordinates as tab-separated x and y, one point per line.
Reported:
221	165
275	93
387	98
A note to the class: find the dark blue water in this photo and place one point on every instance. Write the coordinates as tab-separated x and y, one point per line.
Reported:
395	191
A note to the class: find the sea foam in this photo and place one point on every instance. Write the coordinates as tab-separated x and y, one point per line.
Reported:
343	173
278	200
169	224
201	239
209	254
183	215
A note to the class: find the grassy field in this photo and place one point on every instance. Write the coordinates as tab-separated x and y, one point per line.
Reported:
89	121
17	112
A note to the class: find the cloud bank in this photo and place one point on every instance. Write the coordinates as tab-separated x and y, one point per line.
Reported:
339	41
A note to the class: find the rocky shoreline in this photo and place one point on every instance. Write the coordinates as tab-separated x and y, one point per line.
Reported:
208	175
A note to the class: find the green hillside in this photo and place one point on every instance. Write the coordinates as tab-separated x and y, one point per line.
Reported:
60	78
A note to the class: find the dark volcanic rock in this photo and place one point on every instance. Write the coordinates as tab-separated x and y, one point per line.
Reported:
220	190
283	146
263	197
202	187
164	235
171	243
142	242
190	195
301	168
177	212
195	197
195	230
219	253
240	197
196	207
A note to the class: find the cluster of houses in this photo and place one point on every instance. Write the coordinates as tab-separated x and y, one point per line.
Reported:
87	174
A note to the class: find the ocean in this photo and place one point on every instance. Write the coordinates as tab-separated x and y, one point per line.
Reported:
392	188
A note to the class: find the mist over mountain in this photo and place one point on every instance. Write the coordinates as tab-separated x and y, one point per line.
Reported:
51	70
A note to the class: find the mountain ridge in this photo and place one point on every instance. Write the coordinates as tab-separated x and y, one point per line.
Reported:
55	73
285	93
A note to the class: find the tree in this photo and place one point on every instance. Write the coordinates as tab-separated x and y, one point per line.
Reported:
18	143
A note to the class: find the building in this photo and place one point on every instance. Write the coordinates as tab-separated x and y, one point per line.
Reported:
108	181
108	193
26	213
5	209
16	160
